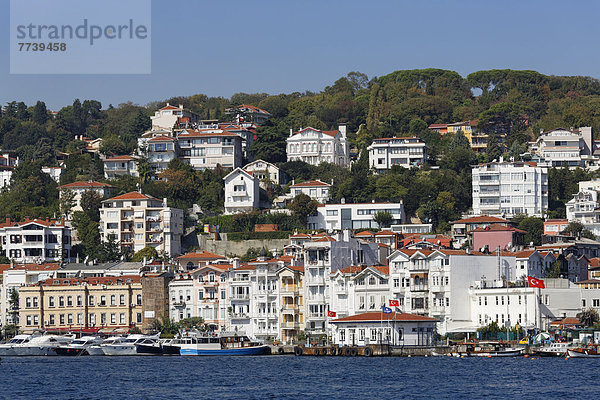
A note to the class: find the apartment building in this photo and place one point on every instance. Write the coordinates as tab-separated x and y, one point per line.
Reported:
353	216
316	190
249	113
137	220
77	189
195	260
7	165
170	117
565	147
290	302
85	305
120	166
35	240
242	192
315	147
510	188
161	150
267	173
405	152
207	148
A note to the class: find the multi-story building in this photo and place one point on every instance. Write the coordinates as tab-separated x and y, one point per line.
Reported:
170	117
211	286
161	150
406	152
7	165
249	113
137	220
290	302
315	147
353	216
268	174
79	188
242	192
565	148
54	172
207	148
583	207
316	190
195	260
462	227
120	166
85	305
35	240
510	188
554	227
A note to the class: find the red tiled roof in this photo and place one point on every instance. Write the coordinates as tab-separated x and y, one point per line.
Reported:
379	316
594	262
132	196
328	133
524	253
85	184
206	133
30	267
351	269
104	280
497	228
119	158
480	219
383	269
170	107
566	321
311	183
326	239
201	254
162	138
43	222
364	233
385	233
300	235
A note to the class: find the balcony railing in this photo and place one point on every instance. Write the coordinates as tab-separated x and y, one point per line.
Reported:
419	288
240	297
240	316
290	325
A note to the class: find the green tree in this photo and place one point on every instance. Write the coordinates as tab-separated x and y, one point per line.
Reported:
535	229
574	229
13	306
39	114
113	145
148	253
493	149
67	202
588	317
383	218
303	206
192	323
90	202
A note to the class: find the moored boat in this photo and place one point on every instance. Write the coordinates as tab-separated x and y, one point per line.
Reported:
588	351
7	349
223	344
489	349
557	349
41	345
78	346
96	349
124	347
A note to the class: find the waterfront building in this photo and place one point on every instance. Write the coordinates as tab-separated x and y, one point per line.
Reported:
462	227
509	188
565	147
395	328
314	146
267	173
77	304
249	113
405	152
137	220
554	227
191	261
161	150
291	307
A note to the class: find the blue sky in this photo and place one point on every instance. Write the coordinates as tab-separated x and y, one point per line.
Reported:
220	48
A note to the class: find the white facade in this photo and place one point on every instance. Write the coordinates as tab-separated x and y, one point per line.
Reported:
583	207
79	188
120	165
170	117
353	216
510	188
406	152
316	190
54	172
207	148
137	220
566	148
36	240
242	192
315	147
264	171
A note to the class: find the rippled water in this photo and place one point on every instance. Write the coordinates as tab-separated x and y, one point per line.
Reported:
289	377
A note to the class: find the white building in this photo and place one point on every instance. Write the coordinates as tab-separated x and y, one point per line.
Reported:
170	117
249	113
397	329
7	164
36	240
583	207
353	216
54	172
406	152
510	188
79	188
315	147
161	150
120	166
265	172
316	190
137	220
242	192
566	148
207	148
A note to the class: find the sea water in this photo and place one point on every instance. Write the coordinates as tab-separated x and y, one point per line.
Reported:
290	377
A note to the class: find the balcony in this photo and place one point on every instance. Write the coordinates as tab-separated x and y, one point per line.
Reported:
419	288
240	297
290	325
236	279
179	304
289	290
315	281
239	316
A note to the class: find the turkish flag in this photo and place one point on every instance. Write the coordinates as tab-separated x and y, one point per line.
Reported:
331	314
533	282
394	303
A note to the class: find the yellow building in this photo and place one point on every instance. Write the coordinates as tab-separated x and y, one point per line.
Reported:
85	305
291	312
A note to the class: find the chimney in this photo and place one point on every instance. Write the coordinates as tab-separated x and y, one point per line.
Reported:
291	132
235	262
343	200
164	202
181	106
342	129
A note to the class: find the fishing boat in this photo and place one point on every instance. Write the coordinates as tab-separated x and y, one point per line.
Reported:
488	349
223	344
556	349
78	347
587	351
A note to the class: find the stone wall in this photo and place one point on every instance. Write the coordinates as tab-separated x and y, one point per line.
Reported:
229	247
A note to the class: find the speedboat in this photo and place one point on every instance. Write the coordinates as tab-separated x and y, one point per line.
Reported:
78	346
170	346
148	346
557	349
7	349
125	347
41	345
588	351
96	349
222	344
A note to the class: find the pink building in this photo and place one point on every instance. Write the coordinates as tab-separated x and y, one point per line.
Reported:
496	235
211	288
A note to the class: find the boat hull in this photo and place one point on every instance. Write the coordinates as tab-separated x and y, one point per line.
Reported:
170	350
95	351
242	351
34	351
7	352
143	349
120	350
70	351
583	353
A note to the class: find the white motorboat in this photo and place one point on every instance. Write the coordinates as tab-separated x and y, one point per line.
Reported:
96	349
125	347
41	345
78	346
7	349
557	349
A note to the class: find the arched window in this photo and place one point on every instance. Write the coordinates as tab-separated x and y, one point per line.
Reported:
371	280
211	277
223	277
189	266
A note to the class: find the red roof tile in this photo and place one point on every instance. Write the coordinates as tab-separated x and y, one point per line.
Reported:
480	219
119	158
132	196
201	254
310	183
85	184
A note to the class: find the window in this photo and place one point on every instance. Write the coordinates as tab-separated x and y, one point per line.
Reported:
223	278
122	300
200	295
102	300
113	318
61	301
51	319
51	301
361	334
29	320
139	299
122	318
595	302
371	280
103	319
70	319
342	335
79	301
36	319
113	300
70	301
91	300
373	335
61	319
222	295
138	318
79	318
396	282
